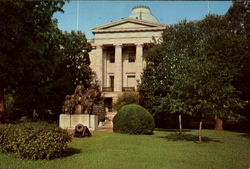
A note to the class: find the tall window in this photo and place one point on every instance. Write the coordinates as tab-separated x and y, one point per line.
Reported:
131	81
111	54
112	57
111	81
131	56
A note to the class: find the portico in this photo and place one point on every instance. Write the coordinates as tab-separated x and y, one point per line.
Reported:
120	66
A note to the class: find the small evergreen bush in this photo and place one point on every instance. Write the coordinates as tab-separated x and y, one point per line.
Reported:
133	119
127	98
34	140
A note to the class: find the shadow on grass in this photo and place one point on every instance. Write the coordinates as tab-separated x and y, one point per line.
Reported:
247	135
189	137
173	130
72	151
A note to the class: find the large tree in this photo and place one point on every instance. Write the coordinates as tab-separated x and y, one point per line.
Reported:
72	68
195	68
27	48
162	59
39	64
238	17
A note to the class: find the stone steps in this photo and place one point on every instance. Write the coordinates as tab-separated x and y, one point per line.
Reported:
108	124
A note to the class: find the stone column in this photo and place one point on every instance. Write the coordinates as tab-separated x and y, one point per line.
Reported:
104	54
99	65
139	60
118	68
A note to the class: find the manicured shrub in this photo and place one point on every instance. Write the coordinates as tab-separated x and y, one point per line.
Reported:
34	140
133	119
127	98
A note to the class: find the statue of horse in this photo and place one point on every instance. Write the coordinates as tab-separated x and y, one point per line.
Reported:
88	99
82	100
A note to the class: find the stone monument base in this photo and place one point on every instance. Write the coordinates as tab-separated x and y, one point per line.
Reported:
69	121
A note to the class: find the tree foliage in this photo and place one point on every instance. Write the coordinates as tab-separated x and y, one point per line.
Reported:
125	99
239	18
27	44
39	64
162	60
72	67
203	81
28	40
194	68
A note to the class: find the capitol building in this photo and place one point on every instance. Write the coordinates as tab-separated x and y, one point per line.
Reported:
118	52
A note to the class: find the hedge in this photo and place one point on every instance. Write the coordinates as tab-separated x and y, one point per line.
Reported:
38	140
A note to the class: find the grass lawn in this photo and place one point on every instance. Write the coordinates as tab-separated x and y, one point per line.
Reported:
163	150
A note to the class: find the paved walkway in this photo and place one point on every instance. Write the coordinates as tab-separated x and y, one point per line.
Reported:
105	129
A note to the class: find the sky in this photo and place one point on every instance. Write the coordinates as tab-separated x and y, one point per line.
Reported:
95	13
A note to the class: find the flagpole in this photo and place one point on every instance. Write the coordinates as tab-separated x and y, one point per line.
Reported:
77	15
208	7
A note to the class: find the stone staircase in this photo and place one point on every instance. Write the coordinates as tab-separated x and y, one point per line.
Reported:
110	115
106	126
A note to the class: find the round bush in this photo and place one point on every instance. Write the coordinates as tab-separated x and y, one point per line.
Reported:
133	119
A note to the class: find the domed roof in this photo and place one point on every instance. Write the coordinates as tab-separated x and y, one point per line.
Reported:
143	13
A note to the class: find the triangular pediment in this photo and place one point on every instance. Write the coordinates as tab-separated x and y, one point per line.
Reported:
126	25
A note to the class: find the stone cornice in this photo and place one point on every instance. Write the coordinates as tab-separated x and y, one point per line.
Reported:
127	37
128	30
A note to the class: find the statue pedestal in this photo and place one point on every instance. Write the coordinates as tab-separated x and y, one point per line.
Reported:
69	121
78	109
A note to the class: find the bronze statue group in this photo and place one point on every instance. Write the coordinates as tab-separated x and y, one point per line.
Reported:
82	101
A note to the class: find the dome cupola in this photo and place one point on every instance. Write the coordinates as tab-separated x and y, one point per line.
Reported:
143	13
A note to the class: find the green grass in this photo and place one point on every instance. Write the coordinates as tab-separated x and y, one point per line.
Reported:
163	150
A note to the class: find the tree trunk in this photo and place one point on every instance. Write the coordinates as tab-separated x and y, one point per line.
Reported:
218	123
180	125
2	106
199	133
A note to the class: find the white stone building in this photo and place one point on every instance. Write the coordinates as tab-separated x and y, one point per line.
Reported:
118	49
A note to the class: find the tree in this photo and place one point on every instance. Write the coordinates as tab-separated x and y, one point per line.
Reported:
162	59
195	69
72	68
26	50
39	64
207	76
125	99
238	17
154	82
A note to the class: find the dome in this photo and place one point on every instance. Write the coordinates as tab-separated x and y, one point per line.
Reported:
143	13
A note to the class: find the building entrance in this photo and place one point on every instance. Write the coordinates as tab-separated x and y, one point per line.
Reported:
108	104
111	78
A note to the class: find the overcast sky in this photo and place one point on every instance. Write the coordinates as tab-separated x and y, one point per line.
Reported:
94	13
